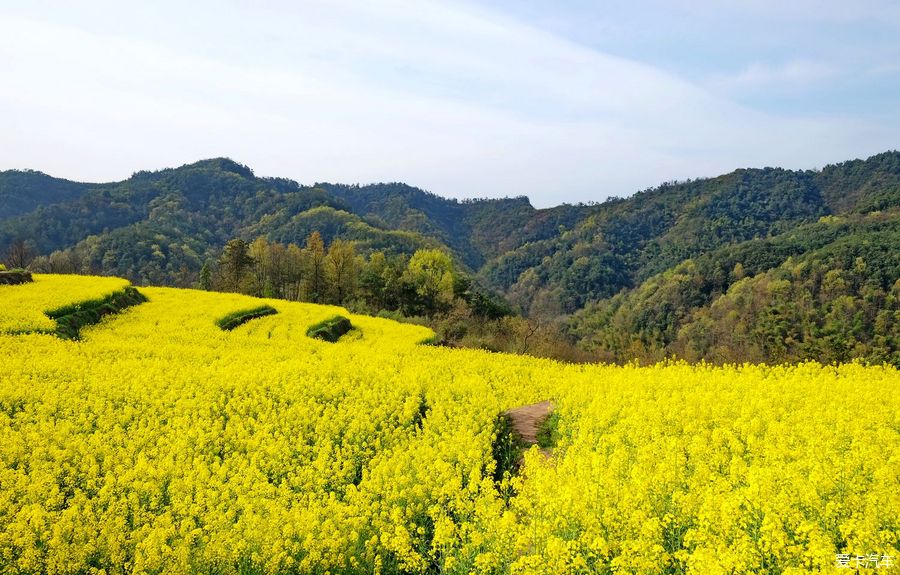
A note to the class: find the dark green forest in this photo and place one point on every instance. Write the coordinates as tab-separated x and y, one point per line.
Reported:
755	265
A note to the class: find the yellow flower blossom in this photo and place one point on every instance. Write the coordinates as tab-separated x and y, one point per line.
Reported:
161	444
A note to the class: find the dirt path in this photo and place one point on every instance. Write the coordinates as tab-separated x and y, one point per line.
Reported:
527	419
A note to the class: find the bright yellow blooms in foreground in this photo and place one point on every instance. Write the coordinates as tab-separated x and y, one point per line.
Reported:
162	444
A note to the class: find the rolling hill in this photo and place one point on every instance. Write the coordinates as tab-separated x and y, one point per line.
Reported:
636	277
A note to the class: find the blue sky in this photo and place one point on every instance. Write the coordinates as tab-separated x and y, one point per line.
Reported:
560	101
813	57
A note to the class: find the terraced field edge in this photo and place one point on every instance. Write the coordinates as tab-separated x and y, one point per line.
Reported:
70	319
240	317
331	329
15	277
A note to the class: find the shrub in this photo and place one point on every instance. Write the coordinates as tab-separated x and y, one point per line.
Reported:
14	277
506	448
330	329
71	318
234	319
548	431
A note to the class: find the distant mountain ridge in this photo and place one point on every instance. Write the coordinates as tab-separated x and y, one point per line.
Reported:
22	191
594	261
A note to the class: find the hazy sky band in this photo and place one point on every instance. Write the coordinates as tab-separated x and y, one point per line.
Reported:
560	102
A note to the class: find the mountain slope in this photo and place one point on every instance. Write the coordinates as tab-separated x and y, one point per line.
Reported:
625	242
828	290
479	230
22	191
621	267
160	227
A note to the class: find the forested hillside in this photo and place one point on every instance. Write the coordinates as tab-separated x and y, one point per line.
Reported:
757	264
625	242
24	191
478	230
161	227
827	290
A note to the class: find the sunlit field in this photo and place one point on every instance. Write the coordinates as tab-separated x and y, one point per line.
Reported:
159	443
23	307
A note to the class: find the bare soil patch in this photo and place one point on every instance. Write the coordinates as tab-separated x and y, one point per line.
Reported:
527	419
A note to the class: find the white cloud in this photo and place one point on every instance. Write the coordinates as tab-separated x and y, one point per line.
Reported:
805	11
791	75
448	97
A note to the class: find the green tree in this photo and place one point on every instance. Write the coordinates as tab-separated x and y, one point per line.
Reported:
316	282
430	274
235	264
341	270
206	277
372	280
260	252
294	272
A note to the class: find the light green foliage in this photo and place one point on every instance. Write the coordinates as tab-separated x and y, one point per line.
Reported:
430	272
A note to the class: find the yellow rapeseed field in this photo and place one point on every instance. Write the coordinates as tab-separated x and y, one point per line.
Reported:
22	306
161	444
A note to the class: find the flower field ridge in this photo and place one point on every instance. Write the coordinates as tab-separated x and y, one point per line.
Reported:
24	307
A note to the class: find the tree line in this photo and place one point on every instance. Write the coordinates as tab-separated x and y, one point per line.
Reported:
425	284
426	287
